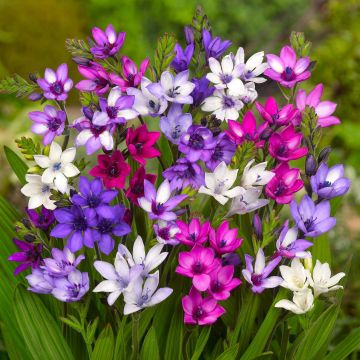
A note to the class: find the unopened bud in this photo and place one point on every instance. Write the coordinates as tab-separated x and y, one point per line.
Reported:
310	165
29	238
324	154
231	259
35	96
308	263
258	228
26	223
266	134
81	61
33	77
87	111
189	35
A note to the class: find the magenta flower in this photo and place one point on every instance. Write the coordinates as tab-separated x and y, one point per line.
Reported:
284	184
108	43
287	69
222	282
286	145
97	79
224	240
323	109
41	220
56	85
200	311
193	233
197	264
140	143
29	255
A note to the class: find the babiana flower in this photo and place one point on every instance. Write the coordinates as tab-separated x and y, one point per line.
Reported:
256	175
295	276
303	302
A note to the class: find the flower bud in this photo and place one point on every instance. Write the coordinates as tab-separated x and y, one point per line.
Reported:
266	134
81	61
33	77
258	229
310	165
308	263
231	259
35	96
324	154
26	223
29	238
189	35
87	111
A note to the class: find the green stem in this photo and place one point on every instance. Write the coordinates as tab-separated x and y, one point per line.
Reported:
135	336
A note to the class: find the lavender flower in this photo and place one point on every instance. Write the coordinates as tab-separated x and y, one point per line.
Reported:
201	91
214	47
182	59
224	151
71	288
40	282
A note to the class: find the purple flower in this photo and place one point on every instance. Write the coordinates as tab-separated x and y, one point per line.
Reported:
71	288
313	220
214	47
49	123
224	151
183	174
201	91
159	204
97	79
166	232
29	255
182	59
56	85
175	123
230	259
41	220
329	183
197	143
40	282
222	282
258	276
108	43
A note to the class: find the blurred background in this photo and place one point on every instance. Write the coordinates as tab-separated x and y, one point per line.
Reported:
32	36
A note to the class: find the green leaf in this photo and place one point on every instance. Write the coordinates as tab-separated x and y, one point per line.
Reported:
229	354
18	166
28	147
104	346
17	85
201	343
166	153
174	341
78	48
40	331
150	347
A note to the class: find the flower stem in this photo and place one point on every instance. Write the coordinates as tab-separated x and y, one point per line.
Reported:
135	336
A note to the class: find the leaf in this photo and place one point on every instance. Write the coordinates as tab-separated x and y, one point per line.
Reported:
174	341
104	346
18	166
41	333
150	347
229	354
28	147
201	342
165	149
17	85
78	48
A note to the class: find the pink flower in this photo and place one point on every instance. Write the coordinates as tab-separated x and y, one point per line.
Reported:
323	109
246	131
224	240
131	75
97	79
287	69
285	145
284	184
140	144
222	282
200	311
194	233
198	264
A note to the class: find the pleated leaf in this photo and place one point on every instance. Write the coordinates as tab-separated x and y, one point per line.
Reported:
150	347
174	341
201	342
104	345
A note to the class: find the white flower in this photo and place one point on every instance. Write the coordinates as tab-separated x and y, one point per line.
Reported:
118	278
295	276
247	201
224	105
219	182
38	192
58	166
322	281
254	67
250	94
148	261
302	302
144	294
256	175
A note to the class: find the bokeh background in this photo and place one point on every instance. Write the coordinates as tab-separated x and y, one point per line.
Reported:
32	36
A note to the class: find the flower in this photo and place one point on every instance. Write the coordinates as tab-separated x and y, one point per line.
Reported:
323	109
41	220
287	69
40	282
313	220
159	203
136	185
185	174
322	281
166	232
145	294
301	304
140	144
38	192
119	277
247	201
284	184
288	245
112	169
256	175
193	233
145	102
97	79
58	166
174	89
75	223
246	131
71	288
219	182
224	240
30	255
214	47
295	276
197	264
258	277
56	85
49	123
222	282
108	43
253	67
197	143
182	58
249	93
201	91
224	150
175	123
200	311
223	105
285	145
329	183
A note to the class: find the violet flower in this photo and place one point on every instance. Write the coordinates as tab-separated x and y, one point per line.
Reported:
224	240
166	232
182	58
222	282
223	151
193	233
214	47
71	288
40	282
97	79
201	91
41	220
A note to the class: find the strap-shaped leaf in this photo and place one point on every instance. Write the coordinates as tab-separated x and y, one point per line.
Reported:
18	166
350	344
150	347
201	342
104	346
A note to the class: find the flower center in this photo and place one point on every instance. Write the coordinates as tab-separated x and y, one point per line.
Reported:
198	313
216	286
105	226
53	124
228	102
80	224
197	267
196	142
176	132
56	88
93	201
310	224
288	74
164	233
226	78
112	112
113	170
325	184
57	166
154	106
